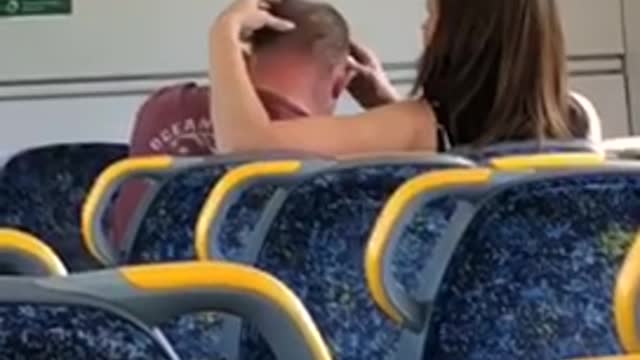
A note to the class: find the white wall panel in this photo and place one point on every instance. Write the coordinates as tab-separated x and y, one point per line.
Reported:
632	22
106	38
32	123
593	26
607	92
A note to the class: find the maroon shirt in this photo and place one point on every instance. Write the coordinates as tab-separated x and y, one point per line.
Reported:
175	121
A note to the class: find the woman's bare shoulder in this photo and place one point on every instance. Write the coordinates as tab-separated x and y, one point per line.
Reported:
414	118
402	126
413	113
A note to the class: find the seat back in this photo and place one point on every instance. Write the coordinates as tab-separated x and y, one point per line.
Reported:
527	148
625	148
393	272
161	228
232	217
62	331
558	256
621	357
586	108
166	232
23	254
531	272
225	230
117	314
315	244
627	295
42	191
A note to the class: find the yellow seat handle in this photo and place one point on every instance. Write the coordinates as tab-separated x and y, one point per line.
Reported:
229	189
237	289
101	193
24	254
554	161
401	207
627	300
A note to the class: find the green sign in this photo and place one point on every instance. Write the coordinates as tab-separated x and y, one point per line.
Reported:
34	7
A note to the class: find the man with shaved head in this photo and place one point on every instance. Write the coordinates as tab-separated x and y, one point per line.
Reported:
297	73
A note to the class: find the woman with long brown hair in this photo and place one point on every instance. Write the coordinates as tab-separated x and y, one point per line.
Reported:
492	71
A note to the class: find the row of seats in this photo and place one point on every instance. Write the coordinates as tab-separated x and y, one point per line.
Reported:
115	314
310	222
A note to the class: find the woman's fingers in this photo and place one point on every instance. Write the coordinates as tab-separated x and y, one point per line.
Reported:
355	65
360	52
252	15
278	24
358	67
271	21
264	5
356	53
267	4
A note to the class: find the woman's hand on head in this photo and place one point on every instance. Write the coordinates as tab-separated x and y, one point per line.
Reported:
243	17
370	85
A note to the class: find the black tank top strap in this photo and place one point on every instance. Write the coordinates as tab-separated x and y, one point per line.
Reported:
444	143
444	140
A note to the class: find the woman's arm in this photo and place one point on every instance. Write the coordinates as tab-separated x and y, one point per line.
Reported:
236	110
242	123
370	87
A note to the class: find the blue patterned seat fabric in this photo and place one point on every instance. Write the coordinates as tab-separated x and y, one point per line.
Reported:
195	336
238	228
316	246
42	192
166	234
418	240
51	332
524	148
534	274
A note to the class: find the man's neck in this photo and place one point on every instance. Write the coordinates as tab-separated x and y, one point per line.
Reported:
292	78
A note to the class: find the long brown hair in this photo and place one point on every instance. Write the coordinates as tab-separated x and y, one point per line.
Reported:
495	70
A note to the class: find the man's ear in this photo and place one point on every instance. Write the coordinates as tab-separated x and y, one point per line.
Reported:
343	76
249	61
247	54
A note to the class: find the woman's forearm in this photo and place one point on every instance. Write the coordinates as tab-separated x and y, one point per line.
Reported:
238	115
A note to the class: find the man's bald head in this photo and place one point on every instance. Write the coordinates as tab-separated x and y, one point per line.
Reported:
321	31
